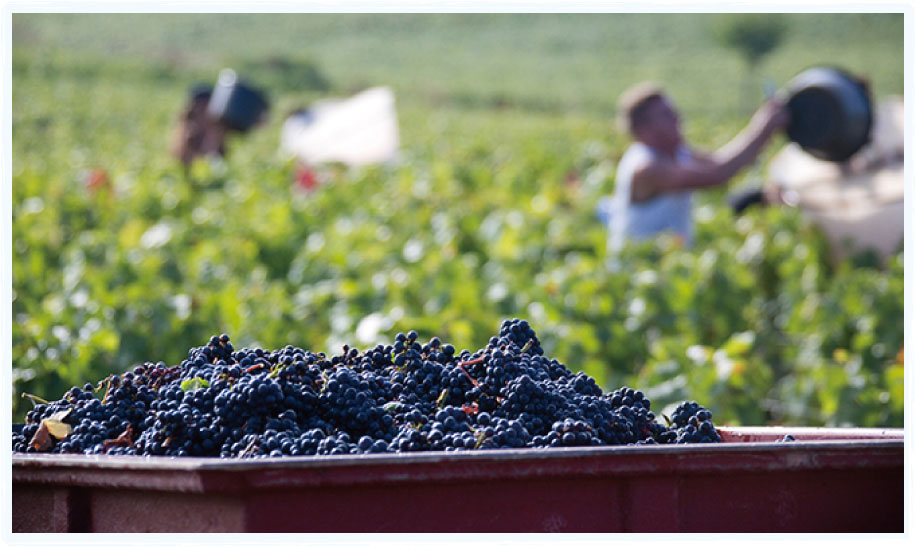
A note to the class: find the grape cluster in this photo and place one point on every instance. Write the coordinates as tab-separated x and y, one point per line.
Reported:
693	424
571	433
405	396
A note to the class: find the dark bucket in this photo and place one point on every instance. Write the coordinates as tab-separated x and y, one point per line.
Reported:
831	113
235	104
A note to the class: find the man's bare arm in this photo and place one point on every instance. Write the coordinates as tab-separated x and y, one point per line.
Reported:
666	175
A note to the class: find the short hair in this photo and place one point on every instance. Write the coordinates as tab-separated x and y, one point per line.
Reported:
200	91
633	105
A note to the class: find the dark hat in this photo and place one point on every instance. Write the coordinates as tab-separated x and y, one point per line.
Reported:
201	91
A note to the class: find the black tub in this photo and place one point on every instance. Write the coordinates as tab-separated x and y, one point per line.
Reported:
831	113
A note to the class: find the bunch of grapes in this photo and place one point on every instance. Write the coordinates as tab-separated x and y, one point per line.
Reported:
693	424
405	396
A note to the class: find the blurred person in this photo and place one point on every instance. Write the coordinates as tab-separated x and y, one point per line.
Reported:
197	134
658	172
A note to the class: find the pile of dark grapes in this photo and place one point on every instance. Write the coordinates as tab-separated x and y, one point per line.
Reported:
403	397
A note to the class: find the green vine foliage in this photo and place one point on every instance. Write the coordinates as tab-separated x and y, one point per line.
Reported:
488	214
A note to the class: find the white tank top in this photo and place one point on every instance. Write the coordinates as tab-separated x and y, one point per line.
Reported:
668	211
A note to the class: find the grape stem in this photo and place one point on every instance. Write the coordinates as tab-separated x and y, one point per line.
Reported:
249	448
107	388
467	374
35	399
124	439
481	436
442	398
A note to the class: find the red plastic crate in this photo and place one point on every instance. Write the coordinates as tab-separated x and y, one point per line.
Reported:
829	480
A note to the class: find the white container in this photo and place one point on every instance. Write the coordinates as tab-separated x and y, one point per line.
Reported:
360	130
857	204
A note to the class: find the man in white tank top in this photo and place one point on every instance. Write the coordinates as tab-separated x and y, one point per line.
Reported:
656	175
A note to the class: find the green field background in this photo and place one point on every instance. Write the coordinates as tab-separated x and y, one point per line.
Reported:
496	112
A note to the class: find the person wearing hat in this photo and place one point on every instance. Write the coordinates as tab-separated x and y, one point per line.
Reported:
657	174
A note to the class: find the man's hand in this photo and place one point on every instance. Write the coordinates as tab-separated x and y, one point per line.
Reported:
772	116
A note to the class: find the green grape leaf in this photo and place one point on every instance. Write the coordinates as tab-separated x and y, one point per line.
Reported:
193	384
393	406
442	398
